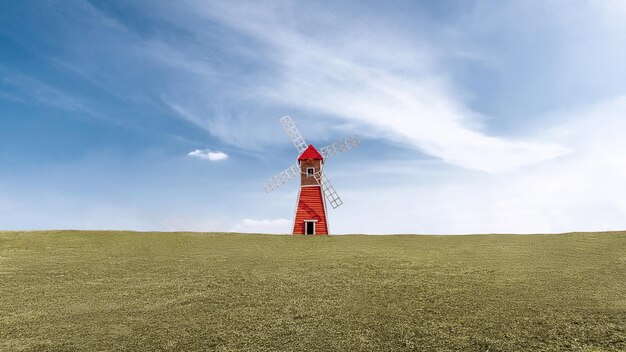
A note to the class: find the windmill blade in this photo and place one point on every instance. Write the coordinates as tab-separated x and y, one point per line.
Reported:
282	177
294	134
340	147
328	189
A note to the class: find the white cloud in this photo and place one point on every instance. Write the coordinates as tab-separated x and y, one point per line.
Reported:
274	226
585	191
381	79
207	154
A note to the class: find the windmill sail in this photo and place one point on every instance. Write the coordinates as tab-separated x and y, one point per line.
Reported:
328	189
282	177
292	131
340	147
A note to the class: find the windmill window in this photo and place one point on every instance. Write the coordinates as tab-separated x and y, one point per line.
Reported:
310	171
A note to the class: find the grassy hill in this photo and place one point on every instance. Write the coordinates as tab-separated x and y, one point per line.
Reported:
128	291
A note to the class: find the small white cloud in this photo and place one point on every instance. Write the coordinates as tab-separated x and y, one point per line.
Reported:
207	154
275	226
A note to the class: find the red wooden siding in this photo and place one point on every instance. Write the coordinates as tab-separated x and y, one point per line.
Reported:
310	207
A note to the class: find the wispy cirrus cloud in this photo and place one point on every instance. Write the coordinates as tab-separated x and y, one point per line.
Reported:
378	79
363	72
581	192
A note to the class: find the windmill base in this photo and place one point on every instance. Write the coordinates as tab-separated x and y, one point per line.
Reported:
310	216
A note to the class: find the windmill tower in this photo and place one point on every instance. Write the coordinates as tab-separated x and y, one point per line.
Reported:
315	188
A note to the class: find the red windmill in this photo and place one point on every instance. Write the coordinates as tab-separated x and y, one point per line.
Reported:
315	189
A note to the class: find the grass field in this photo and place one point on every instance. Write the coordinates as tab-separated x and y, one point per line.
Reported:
127	291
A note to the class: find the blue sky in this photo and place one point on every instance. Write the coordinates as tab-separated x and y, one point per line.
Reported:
474	116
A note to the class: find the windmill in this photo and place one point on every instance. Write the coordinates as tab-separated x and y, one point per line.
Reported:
315	188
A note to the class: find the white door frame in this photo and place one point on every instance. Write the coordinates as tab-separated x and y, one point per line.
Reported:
314	225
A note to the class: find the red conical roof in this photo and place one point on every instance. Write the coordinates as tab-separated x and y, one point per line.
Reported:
310	153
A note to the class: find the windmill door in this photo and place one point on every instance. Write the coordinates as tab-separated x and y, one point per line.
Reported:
309	227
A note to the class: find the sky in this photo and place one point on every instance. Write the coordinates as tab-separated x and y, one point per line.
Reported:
474	116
